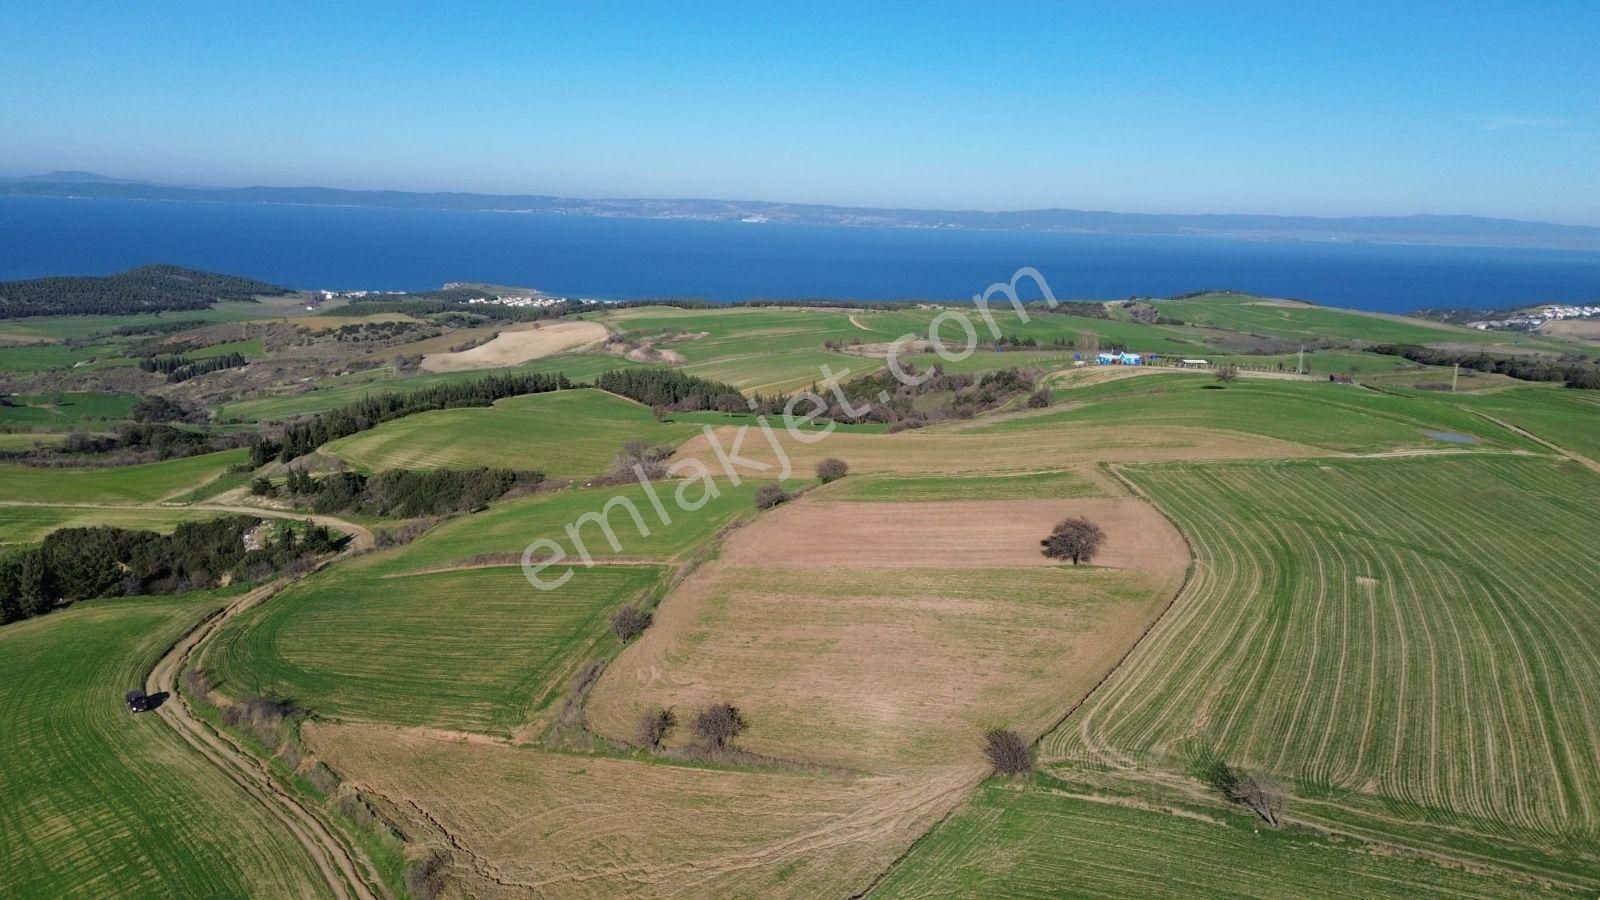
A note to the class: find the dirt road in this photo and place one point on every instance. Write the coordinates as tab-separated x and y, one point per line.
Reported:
347	871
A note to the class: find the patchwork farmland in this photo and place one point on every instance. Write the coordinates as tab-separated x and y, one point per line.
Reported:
1376	599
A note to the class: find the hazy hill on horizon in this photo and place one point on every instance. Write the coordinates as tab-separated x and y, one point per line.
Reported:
1458	230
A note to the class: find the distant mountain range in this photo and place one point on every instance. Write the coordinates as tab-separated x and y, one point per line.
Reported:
1420	229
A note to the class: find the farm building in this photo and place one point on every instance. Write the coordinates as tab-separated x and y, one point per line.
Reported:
1120	359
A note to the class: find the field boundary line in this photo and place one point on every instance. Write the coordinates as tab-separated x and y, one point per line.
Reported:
1573	455
1188	576
337	861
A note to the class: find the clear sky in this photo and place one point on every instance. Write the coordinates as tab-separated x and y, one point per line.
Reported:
1335	109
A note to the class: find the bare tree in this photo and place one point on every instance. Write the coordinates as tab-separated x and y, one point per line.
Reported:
770	495
1007	752
654	726
1077	539
629	622
832	469
719	724
1227	373
652	460
1261	794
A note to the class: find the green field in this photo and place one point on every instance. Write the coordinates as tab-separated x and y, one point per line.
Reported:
1037	840
340	390
95	802
1253	315
507	528
1331	416
29	524
568	434
65	410
144	483
477	649
1570	419
1036	485
1407	642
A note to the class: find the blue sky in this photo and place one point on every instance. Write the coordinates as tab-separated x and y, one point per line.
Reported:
1351	108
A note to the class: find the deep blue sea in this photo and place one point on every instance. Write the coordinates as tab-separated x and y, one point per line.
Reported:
354	248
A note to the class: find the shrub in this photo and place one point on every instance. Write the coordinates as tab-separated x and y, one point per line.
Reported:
832	469
719	724
655	725
629	622
1007	752
770	495
1227	374
425	876
1039	399
1077	539
261	487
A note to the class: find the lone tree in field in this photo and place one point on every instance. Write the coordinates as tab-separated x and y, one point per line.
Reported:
629	622
1227	374
1260	794
1077	539
1007	752
655	725
719	724
832	469
770	495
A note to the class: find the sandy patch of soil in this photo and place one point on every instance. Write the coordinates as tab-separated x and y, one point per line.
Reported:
1587	329
652	354
516	821
519	345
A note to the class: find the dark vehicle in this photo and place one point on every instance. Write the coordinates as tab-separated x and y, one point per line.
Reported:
138	702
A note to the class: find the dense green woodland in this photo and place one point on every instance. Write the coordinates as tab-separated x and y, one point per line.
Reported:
402	493
81	563
142	290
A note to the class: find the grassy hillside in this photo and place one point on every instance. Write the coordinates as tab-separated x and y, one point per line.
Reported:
1331	416
95	802
29	524
1410	636
565	433
123	484
507	528
477	649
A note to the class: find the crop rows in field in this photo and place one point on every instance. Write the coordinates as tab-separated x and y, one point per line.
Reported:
1331	416
1031	485
142	483
1031	841
95	802
30	524
1419	630
474	649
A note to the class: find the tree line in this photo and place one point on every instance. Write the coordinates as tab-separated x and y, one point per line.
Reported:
141	290
74	564
670	389
301	437
182	368
401	493
1573	369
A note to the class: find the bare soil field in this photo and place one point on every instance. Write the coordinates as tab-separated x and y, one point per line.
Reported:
1586	329
519	345
1062	447
519	822
954	535
849	645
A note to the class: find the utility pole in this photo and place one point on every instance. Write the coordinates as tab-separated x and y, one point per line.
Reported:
1454	377
1300	366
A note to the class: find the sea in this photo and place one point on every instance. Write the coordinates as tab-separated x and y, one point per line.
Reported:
359	248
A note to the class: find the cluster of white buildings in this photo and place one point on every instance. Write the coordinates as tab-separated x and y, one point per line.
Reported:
1535	318
539	301
354	295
